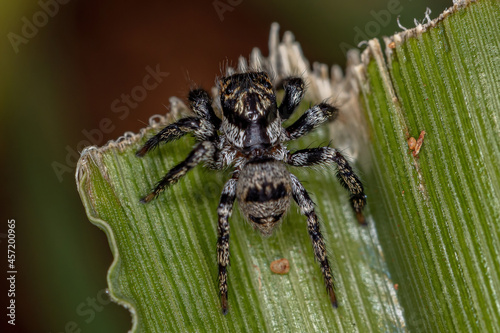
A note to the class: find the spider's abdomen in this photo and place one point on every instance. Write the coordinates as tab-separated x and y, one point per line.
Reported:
263	193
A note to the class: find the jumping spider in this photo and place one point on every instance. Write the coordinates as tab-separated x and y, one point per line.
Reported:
250	137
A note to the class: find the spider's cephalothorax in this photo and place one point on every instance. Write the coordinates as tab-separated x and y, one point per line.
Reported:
251	119
251	139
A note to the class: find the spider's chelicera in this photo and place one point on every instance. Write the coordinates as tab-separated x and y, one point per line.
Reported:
250	138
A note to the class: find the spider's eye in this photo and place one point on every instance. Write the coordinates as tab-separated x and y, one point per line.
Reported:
267	84
229	89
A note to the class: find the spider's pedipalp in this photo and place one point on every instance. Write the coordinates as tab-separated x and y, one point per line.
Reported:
224	212
311	119
201	152
201	103
294	92
345	174
306	206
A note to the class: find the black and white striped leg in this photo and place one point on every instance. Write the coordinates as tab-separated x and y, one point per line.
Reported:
169	133
306	206
311	119
224	212
201	152
204	126
345	174
201	103
294	92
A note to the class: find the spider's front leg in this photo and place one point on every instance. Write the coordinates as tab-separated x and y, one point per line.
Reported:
224	212
306	206
204	126
311	119
345	174
204	151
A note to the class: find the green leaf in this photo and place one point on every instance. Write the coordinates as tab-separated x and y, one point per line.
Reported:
437	213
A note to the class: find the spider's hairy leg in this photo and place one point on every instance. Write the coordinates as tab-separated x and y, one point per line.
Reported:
306	206
345	174
203	151
311	119
224	212
201	103
294	92
204	126
171	132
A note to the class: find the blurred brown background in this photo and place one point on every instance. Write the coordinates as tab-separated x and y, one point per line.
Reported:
81	72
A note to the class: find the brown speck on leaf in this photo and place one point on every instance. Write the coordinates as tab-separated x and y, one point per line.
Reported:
419	143
396	286
280	266
412	143
392	45
415	145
